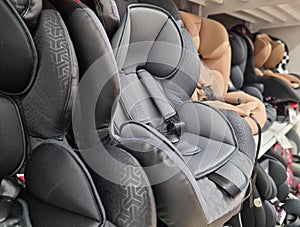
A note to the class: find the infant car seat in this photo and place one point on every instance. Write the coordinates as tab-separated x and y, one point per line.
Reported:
184	157
242	63
211	39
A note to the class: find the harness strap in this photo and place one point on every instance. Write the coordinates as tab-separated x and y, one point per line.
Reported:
162	103
130	101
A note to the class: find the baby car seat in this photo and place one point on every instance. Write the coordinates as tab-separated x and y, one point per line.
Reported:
276	170
36	117
38	71
275	89
184	157
275	56
241	64
212	42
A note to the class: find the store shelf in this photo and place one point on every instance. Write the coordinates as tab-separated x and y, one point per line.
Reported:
269	137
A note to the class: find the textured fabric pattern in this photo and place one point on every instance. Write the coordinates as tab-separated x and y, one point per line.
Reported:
242	132
130	101
164	106
47	107
130	202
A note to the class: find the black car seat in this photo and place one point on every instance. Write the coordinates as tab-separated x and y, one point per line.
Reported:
276	170
183	156
274	89
120	181
36	117
242	60
211	40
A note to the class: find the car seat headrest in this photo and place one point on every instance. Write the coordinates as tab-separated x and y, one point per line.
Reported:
18	63
241	29
264	184
111	12
275	169
155	45
203	30
239	53
167	5
276	55
29	10
262	50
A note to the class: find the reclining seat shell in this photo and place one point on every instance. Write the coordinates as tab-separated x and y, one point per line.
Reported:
182	171
217	57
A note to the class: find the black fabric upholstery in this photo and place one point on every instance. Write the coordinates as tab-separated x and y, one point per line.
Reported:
263	184
14	51
68	185
29	10
238	60
119	179
47	107
242	67
94	55
13	143
126	194
253	216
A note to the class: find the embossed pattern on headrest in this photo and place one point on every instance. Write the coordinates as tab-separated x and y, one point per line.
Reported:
18	60
29	10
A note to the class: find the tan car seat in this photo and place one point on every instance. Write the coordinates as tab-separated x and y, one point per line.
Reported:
212	42
268	54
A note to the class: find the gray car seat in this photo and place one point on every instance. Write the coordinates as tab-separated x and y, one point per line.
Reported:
60	189
186	148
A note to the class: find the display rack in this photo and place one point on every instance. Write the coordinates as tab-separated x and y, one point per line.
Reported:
269	137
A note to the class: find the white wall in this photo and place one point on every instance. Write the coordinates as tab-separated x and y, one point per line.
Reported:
291	35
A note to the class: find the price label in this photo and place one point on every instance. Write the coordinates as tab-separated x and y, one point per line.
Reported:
292	116
283	140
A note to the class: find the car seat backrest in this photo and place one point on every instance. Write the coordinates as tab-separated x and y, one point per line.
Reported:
94	50
276	55
55	86
18	64
262	50
45	78
238	60
214	50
